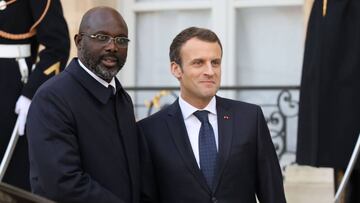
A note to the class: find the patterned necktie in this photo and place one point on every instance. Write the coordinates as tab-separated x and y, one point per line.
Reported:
207	147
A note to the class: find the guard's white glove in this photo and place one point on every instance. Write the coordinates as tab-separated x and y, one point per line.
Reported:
22	108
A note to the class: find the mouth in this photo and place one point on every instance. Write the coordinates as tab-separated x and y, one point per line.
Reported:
207	82
109	61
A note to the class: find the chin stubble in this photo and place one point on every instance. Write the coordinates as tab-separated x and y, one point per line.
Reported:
95	65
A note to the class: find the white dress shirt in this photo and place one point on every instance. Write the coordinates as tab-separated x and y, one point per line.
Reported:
193	124
97	78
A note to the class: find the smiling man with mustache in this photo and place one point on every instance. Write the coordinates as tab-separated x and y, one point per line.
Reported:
102	53
81	125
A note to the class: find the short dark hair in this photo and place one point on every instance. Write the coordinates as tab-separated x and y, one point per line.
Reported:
187	34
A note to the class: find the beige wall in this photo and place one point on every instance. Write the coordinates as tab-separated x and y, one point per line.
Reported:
73	11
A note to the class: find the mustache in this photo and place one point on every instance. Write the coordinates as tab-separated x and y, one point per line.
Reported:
110	55
119	60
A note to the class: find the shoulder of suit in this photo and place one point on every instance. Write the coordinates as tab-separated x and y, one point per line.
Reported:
57	84
236	103
161	114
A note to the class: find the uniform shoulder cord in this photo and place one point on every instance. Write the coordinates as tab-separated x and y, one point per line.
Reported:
325	2
32	30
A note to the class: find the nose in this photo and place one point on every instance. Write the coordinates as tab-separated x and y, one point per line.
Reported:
209	69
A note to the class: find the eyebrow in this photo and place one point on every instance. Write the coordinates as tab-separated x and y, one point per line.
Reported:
106	33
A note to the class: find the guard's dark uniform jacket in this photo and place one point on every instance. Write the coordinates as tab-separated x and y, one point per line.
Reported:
329	113
24	24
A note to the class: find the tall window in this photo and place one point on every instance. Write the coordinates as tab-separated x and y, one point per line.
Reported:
262	39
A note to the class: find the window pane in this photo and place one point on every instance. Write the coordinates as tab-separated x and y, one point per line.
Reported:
155	31
269	51
269	45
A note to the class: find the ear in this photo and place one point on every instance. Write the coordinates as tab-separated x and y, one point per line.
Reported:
176	70
77	39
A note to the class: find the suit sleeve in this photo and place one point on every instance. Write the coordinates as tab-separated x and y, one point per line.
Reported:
53	34
269	188
148	187
54	153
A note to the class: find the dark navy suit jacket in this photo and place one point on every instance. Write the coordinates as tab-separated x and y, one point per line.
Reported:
248	163
75	145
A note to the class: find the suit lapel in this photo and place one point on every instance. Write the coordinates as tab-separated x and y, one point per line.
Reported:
179	134
89	83
126	123
225	120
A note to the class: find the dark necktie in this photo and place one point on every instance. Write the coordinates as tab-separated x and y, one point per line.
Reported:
207	147
111	90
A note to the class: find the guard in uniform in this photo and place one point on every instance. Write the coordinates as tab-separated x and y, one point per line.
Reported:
329	113
24	25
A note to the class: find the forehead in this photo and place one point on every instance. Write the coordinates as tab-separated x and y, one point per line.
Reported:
107	22
196	48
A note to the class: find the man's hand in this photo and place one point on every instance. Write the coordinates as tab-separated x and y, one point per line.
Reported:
22	108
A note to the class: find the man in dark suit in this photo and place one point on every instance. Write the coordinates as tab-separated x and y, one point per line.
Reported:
24	25
204	148
81	125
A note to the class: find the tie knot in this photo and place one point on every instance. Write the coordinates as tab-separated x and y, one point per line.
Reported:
202	115
111	90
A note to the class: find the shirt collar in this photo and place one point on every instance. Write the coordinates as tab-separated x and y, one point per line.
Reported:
97	78
188	109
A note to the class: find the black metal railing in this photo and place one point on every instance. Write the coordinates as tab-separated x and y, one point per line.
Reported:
279	104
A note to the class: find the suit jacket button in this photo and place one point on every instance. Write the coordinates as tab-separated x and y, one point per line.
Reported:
214	200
